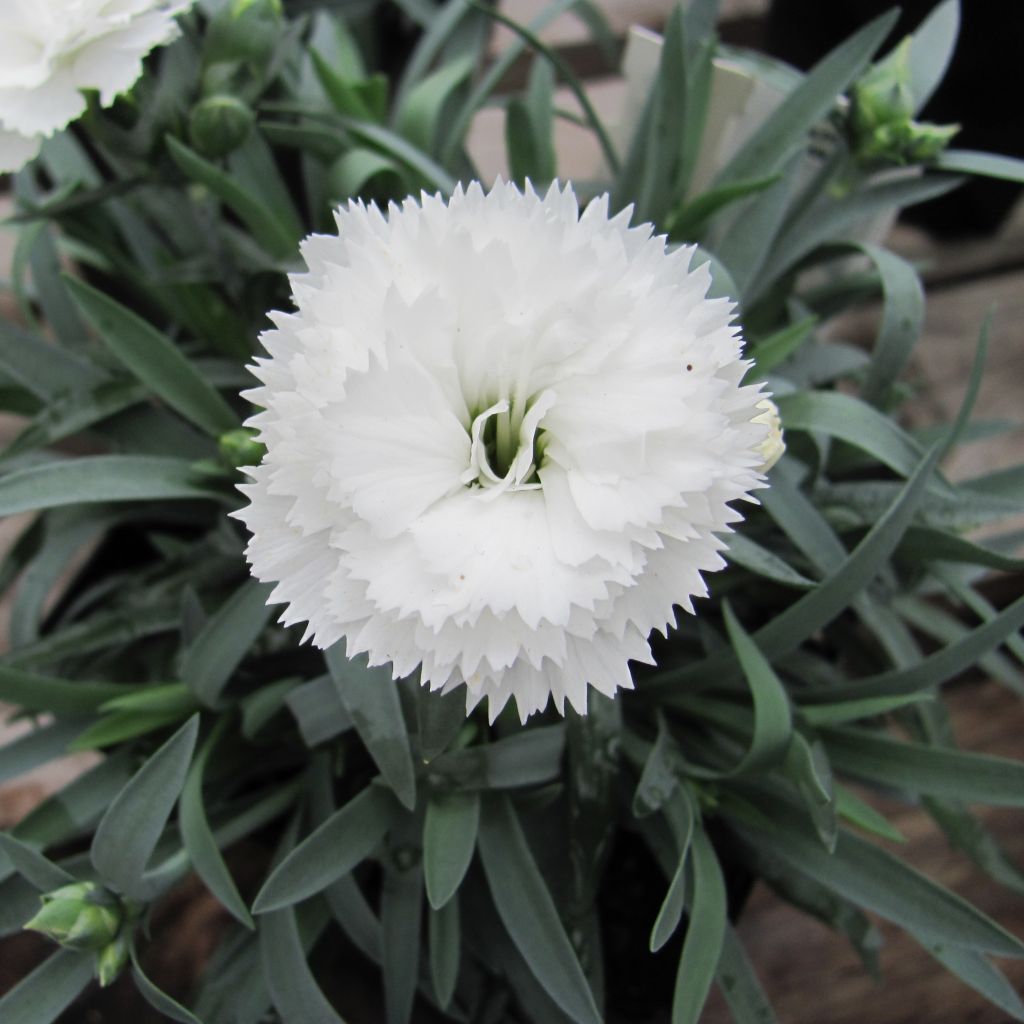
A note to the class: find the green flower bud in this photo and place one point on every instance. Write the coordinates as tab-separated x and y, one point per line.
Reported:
79	916
110	960
240	448
245	30
882	127
218	125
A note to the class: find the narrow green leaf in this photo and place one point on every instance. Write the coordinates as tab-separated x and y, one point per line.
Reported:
293	988
165	698
528	912
526	758
419	116
318	711
265	226
32	865
158	363
659	777
988	165
225	640
778	347
784	131
35	748
760	560
923	544
750	241
33	692
431	173
43	368
439	717
128	833
370	696
931	50
43	995
401	907
705	933
853	421
688	221
463	117
863	815
975	778
198	839
345	839
773	719
831	220
99	478
76	806
937	668
157	998
445	938
880	882
672	906
977	971
358	169
807	766
845	711
449	838
121	726
902	318
738	981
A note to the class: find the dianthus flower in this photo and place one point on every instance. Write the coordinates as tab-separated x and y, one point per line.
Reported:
502	438
50	50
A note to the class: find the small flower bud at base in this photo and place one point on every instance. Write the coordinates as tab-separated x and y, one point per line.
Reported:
110	960
79	916
240	448
218	125
772	448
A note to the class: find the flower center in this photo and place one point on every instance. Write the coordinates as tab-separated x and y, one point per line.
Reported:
506	449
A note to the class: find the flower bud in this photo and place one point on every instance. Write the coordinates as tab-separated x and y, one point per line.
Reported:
79	916
773	446
110	960
240	448
881	115
218	125
245	30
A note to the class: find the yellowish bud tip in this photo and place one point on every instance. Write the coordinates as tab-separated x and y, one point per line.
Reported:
773	446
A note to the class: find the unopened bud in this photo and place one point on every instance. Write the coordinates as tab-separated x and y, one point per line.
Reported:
881	115
240	448
773	446
110	960
80	916
218	125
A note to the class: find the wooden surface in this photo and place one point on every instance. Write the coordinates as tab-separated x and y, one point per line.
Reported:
812	975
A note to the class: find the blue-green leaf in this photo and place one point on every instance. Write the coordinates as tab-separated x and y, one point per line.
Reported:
345	839
44	994
370	696
98	478
158	363
449	838
705	933
225	640
528	912
128	833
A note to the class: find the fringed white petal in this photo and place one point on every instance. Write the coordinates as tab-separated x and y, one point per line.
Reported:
502	437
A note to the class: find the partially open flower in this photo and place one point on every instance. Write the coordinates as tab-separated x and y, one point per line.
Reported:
50	50
502	437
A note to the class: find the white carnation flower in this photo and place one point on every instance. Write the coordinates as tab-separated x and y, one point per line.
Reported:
50	50
501	439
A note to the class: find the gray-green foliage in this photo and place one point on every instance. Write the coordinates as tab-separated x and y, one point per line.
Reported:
377	805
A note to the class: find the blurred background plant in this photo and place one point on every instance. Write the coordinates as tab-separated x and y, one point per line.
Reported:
491	873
